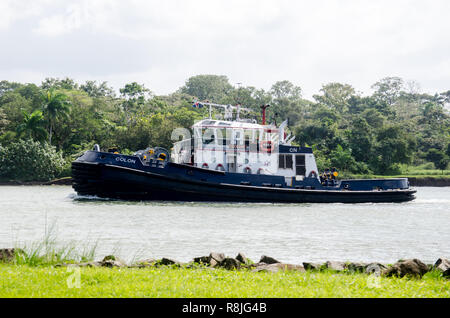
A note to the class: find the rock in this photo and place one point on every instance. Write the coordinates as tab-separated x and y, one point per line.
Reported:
216	258
335	266
9	254
442	264
357	267
312	266
255	265
241	258
374	268
111	264
446	273
409	267
167	261
276	267
230	263
112	261
268	260
202	260
150	262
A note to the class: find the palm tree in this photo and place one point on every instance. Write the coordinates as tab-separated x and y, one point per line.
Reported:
32	126
56	105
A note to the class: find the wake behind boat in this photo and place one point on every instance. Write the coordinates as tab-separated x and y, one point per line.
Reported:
232	160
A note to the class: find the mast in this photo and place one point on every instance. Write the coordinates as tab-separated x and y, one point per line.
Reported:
263	107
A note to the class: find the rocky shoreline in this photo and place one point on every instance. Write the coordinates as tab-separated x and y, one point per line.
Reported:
429	182
409	267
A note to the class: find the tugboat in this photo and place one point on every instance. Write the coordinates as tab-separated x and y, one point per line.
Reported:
231	159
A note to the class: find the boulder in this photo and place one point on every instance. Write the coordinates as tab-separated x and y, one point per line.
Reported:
446	273
216	258
356	267
9	254
150	262
241	258
250	266
276	267
442	264
230	263
167	261
335	266
409	267
202	260
111	264
112	261
374	268
268	260
311	266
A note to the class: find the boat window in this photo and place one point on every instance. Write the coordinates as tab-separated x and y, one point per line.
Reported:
208	139
289	162
208	136
285	161
300	168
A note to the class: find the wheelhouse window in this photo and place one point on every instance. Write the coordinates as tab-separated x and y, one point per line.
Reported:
285	161
300	168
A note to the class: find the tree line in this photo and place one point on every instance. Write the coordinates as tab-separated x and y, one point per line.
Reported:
395	125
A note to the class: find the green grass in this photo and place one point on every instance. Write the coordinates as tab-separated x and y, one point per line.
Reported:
29	281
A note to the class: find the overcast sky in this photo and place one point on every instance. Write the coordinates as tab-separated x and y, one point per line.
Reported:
256	43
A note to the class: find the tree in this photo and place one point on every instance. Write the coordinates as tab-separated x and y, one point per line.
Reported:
438	157
394	146
6	86
361	140
97	90
388	89
32	126
214	88
29	160
285	89
342	159
56	84
336	96
56	106
135	95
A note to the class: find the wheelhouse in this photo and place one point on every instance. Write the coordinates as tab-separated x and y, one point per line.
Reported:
244	146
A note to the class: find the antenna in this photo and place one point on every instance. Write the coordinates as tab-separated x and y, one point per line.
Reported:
228	109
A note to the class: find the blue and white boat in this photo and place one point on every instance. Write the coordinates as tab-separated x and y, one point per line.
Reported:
229	159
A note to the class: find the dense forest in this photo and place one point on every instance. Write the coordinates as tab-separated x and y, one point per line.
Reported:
43	128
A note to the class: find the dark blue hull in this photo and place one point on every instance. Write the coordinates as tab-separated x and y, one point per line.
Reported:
125	177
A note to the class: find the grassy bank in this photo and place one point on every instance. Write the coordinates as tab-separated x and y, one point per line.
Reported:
49	281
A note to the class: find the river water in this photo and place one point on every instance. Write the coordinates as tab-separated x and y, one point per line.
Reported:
289	232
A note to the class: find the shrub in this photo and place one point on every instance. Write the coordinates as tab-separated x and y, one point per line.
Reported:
28	160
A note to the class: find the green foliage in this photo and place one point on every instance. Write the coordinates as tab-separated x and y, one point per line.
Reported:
212	87
380	133
32	126
28	160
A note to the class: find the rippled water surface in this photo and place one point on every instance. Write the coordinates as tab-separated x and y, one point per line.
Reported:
289	232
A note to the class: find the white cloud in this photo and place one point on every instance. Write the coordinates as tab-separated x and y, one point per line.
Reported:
162	43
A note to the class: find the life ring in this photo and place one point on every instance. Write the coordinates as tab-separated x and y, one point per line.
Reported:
260	171
312	174
220	167
205	166
247	170
266	146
